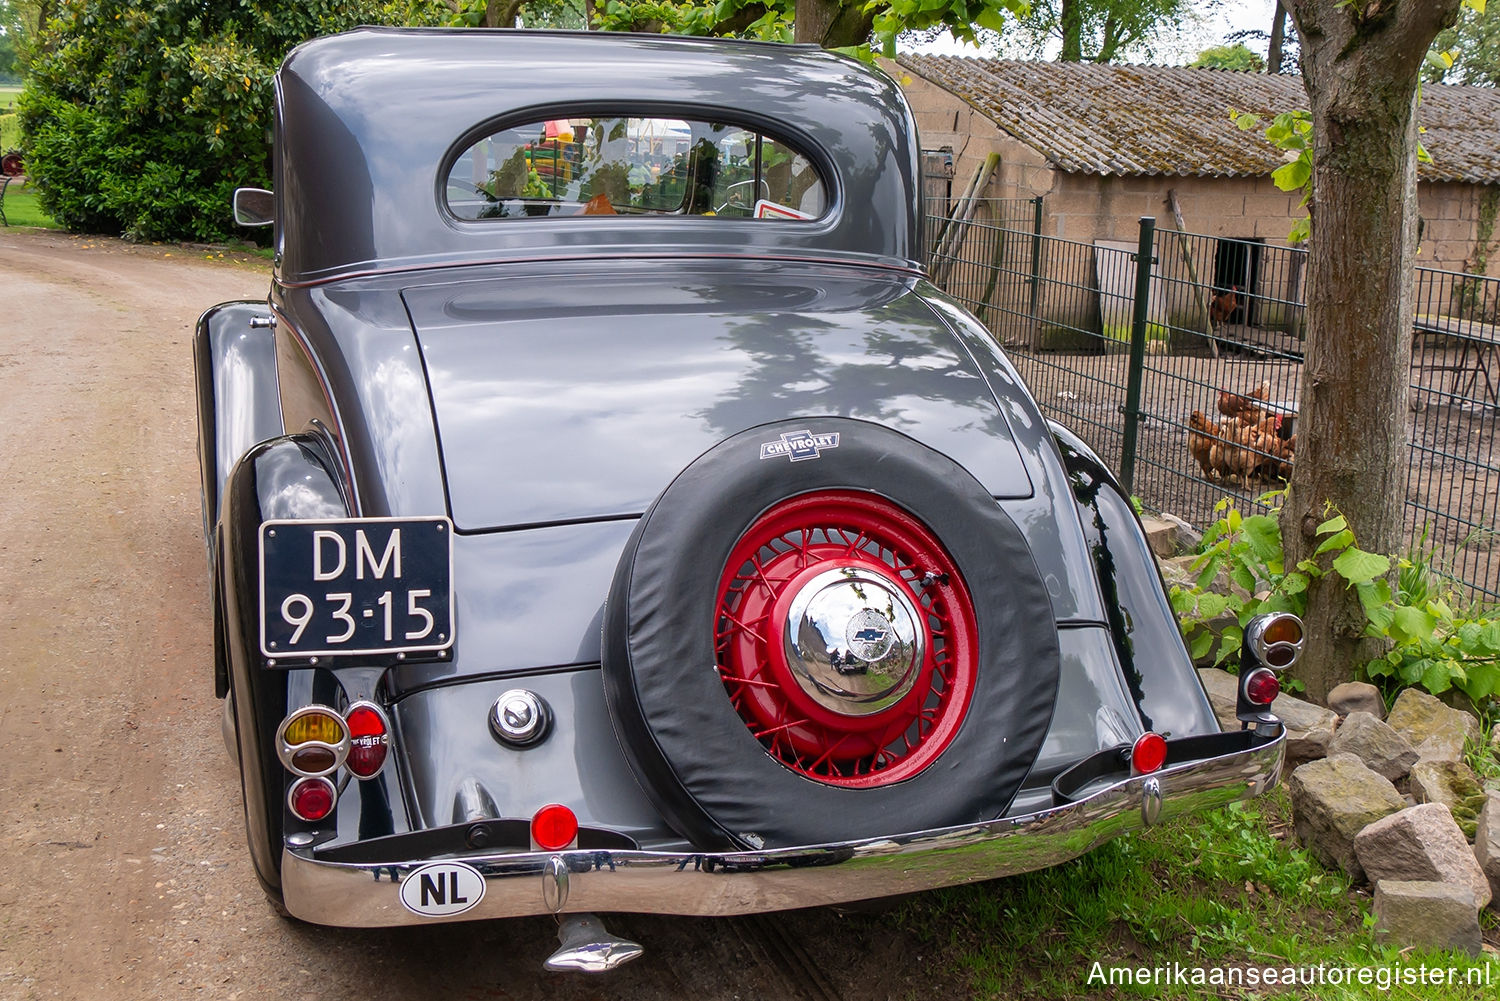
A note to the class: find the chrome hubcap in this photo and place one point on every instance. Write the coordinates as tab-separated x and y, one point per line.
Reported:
853	641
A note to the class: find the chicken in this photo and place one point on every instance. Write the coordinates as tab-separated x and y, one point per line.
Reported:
1247	446
1245	409
1222	306
1202	434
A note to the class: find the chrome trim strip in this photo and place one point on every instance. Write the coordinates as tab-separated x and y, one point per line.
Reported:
353	895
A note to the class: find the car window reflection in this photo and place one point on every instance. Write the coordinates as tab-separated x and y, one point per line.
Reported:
625	165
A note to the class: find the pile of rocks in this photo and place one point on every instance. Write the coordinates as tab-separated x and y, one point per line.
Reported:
1390	799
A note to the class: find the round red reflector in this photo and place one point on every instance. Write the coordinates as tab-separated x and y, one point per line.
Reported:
1149	753
1262	687
311	799
554	827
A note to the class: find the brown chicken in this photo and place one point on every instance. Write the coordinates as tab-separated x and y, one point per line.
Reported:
1222	306
1247	445
1202	434
1245	409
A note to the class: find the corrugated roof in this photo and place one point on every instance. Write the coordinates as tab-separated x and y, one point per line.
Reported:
1145	120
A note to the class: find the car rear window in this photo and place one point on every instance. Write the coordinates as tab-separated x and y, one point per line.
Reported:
626	165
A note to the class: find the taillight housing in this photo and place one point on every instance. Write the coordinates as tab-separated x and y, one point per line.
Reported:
311	799
1272	644
369	739
313	741
554	827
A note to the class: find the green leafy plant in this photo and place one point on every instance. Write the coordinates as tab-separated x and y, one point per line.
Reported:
1241	573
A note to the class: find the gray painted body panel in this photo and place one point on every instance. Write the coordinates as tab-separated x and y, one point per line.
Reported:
371	119
555	409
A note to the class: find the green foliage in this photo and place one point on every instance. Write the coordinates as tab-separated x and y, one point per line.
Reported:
1291	132
1429	644
1468	52
1098	31
10	132
1234	57
774	20
142	118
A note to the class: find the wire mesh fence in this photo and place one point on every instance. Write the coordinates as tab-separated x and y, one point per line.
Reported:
1186	377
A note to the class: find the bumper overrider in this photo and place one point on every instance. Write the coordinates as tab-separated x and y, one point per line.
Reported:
1095	800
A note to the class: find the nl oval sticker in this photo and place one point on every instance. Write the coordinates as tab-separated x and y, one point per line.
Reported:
442	889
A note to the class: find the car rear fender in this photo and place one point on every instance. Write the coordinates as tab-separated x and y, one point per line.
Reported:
239	402
1153	658
284	477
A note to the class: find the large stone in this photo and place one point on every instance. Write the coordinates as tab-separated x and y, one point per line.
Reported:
1356	697
1427	915
1487	846
1453	784
1377	745
1309	728
1335	798
1421	842
1442	747
1418	716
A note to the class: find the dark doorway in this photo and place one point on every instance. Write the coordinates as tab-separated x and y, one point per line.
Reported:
1237	265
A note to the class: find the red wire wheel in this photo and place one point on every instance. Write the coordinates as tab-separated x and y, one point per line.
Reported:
821	631
853	574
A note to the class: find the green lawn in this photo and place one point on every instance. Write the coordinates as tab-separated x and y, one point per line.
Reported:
8	95
21	209
1211	895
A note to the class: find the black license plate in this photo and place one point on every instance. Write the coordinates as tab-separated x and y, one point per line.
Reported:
366	586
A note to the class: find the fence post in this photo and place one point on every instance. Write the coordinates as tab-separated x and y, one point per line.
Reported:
1144	258
1036	270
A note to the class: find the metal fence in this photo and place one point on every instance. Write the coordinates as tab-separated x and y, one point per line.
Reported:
1186	375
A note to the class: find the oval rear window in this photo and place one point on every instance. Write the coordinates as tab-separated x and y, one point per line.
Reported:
624	165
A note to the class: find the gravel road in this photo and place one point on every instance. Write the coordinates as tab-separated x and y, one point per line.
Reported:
125	872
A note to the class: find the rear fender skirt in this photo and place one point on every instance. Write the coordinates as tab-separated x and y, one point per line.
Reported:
1153	658
238	400
285	477
238	405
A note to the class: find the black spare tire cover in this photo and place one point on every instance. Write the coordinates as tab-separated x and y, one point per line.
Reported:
710	777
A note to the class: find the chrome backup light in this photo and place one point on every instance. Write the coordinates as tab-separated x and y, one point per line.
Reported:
312	741
1275	640
311	799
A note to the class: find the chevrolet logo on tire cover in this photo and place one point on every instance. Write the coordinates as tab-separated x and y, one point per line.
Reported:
799	445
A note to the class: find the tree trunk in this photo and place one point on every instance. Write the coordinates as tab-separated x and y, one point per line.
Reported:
1070	23
1278	37
1361	72
833	24
501	13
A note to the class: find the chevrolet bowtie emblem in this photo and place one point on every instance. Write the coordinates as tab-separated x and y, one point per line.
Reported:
799	445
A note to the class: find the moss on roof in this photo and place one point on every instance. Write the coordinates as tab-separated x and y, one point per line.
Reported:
1164	120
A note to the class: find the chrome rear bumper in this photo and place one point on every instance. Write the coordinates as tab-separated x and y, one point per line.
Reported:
517	884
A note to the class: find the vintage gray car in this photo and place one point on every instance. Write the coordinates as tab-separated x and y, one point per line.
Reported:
606	514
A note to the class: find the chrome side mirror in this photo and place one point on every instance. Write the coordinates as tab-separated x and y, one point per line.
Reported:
254	207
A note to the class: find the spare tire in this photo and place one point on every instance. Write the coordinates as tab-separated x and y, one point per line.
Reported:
823	631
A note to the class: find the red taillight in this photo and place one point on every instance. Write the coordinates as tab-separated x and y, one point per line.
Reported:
311	799
369	739
1149	753
554	827
1262	687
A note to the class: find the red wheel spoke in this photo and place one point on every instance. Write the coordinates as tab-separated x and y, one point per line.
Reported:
798	540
